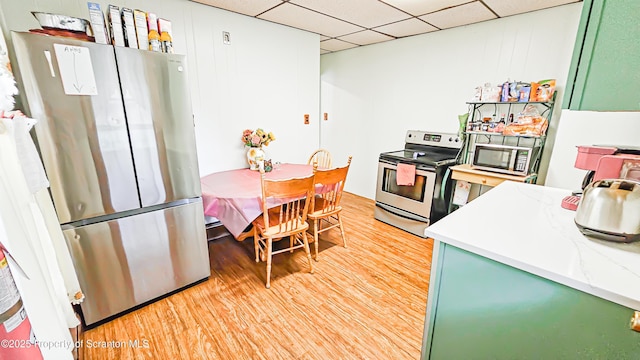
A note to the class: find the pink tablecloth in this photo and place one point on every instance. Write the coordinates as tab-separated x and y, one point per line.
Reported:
234	196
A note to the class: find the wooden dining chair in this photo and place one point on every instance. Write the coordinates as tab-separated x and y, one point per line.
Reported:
287	219
322	157
328	186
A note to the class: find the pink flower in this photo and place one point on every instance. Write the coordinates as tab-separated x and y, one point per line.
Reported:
255	140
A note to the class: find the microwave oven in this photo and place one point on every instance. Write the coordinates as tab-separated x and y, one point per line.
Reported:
513	160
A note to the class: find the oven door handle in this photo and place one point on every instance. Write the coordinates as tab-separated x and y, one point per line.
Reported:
419	167
444	182
401	213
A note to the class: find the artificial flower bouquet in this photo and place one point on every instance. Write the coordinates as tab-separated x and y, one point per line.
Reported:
257	138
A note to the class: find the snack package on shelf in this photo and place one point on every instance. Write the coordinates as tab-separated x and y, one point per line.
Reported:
545	90
491	93
504	94
519	91
529	122
524	93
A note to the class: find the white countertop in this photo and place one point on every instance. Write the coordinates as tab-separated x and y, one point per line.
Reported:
523	225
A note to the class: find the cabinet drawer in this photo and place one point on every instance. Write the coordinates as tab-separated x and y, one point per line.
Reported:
467	173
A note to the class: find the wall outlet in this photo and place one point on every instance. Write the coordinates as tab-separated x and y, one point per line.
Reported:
326	116
306	119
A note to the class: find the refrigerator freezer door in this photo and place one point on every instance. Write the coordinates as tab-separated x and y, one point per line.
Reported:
129	261
83	139
158	107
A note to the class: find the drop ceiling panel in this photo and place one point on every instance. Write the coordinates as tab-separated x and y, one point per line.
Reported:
418	8
301	18
336	45
251	8
510	7
323	51
460	15
366	13
365	37
406	28
365	22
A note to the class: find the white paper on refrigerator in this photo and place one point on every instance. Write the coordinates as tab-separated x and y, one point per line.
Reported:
76	70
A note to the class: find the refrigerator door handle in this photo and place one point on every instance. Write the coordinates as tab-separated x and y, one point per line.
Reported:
47	55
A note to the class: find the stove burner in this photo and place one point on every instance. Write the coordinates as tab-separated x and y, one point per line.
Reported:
430	158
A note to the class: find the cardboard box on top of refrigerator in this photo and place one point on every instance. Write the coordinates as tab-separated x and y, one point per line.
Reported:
142	32
96	17
115	24
129	25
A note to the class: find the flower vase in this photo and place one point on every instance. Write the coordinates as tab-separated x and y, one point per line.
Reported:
254	156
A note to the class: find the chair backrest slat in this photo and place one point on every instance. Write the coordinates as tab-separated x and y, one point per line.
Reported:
322	158
332	181
294	197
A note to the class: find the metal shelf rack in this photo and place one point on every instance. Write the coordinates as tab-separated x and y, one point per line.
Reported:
486	137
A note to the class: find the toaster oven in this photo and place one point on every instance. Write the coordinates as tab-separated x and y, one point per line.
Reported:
506	159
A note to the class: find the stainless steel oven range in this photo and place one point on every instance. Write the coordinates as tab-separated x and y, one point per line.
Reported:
414	207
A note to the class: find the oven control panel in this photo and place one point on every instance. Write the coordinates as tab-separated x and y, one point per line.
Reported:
433	139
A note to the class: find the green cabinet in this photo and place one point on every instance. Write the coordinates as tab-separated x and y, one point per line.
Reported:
605	67
481	309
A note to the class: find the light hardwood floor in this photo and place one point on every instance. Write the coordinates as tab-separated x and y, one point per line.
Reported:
366	301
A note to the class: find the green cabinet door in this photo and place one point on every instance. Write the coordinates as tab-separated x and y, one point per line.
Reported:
605	68
487	310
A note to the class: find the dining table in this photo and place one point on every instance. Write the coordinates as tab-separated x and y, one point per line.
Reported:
235	196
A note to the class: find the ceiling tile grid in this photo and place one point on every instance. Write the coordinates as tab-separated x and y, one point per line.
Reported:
374	14
509	7
418	8
305	19
460	15
366	37
245	7
336	45
403	28
345	24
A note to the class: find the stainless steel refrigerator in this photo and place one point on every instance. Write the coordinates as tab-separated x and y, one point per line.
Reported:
116	135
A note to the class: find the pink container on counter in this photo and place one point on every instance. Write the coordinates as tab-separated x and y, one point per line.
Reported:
588	156
610	166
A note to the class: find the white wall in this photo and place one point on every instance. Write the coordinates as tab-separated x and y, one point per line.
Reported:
374	94
588	128
268	77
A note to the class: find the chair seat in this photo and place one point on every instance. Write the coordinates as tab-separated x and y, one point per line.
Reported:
275	227
320	209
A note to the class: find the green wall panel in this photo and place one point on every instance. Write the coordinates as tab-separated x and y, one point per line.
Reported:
605	70
488	310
